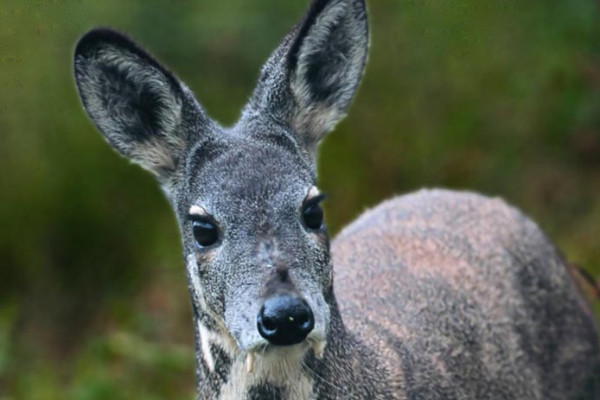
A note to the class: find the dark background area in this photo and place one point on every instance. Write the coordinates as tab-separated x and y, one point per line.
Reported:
500	97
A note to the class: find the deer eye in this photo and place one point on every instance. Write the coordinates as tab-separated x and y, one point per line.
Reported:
206	232
312	213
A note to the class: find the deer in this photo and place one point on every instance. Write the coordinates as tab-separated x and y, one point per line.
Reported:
437	294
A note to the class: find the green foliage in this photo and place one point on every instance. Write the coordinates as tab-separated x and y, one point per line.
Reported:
501	97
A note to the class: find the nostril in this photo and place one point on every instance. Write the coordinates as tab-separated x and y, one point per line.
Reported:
269	324
285	320
302	319
306	322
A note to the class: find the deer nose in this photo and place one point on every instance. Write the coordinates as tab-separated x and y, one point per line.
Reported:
285	320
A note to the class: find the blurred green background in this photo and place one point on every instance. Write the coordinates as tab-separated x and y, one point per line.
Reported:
501	97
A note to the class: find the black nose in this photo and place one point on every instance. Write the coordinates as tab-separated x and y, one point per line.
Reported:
285	320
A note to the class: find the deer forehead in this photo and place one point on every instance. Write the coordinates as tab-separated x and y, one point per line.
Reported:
246	173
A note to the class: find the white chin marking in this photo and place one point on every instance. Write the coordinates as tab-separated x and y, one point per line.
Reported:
281	367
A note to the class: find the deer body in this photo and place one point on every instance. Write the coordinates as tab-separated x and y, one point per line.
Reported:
437	295
481	301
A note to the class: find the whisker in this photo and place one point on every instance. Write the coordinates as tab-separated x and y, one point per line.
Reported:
314	373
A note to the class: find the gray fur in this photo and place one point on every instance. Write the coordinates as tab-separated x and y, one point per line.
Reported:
142	110
309	82
442	295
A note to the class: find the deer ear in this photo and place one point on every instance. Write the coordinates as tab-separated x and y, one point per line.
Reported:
134	101
310	80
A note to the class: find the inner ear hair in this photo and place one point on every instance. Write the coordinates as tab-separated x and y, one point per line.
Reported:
327	60
134	101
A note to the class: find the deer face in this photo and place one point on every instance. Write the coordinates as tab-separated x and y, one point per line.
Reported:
255	244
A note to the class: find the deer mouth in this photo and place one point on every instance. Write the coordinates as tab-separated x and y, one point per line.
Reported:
269	353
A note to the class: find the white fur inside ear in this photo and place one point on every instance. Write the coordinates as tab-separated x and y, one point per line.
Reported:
107	103
336	46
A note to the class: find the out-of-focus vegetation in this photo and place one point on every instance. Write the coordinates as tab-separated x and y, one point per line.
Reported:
501	97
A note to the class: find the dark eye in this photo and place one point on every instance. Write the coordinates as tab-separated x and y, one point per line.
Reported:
313	215
206	233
